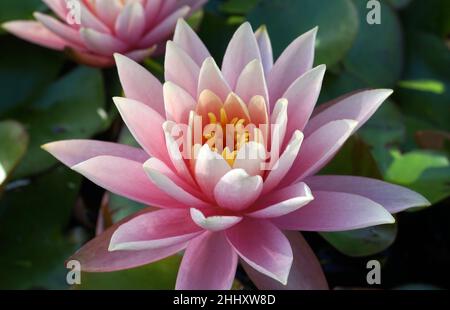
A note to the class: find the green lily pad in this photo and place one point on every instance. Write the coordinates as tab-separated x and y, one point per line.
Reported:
287	19
14	145
363	242
33	241
377	53
71	108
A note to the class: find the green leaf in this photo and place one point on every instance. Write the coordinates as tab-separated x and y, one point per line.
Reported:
399	4
158	275
23	76
14	141
363	242
71	108
287	19
377	53
22	9
423	171
238	6
33	243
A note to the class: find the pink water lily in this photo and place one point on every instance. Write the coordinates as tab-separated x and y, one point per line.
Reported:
93	30
220	206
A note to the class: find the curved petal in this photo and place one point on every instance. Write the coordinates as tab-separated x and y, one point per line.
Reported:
64	31
145	124
306	272
57	6
394	198
278	122
95	257
153	230
36	33
188	40
130	24
242	49
214	222
263	246
359	107
108	11
89	20
181	69
302	96
178	103
283	201
209	263
139	84
125	177
72	152
250	158
140	55
318	149
211	78
333	211
237	190
265	48
296	59
89	59
102	43
251	82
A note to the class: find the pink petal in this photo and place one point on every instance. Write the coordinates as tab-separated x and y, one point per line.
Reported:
181	69
130	23
214	222
90	59
95	257
102	43
306	272
302	96
153	230
265	49
57	6
64	31
318	149
283	201
278	122
177	192
251	157
145	124
152	8
333	211
237	190
140	55
36	33
72	152
178	103
108	11
89	20
263	246
211	78
125	177
210	167
189	41
251	82
392	197
359	107
284	163
242	49
164	29
296	59
209	263
139	84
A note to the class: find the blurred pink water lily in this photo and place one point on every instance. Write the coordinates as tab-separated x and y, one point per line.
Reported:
220	206
91	31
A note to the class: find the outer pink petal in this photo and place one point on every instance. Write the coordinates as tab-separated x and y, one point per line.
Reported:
359	107
139	84
140	55
145	124
302	96
178	103
265	48
95	257
64	31
153	230
306	272
209	263
210	77
263	246
282	202
242	49
57	6
108	10
90	59
296	59
392	197
318	149
333	211
72	152
237	190
36	33
89	20
130	24
209	220
181	69
102	43
125	177
188	40
251	82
